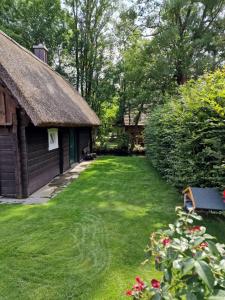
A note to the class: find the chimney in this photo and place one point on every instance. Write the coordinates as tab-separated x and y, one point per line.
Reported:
41	52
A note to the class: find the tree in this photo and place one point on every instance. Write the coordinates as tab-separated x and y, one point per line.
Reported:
31	22
89	26
189	33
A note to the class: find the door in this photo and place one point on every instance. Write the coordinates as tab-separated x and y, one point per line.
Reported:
73	146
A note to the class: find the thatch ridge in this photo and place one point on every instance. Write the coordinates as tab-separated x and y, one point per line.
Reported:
47	97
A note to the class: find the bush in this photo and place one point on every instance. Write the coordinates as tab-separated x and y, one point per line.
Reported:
124	142
192	265
185	138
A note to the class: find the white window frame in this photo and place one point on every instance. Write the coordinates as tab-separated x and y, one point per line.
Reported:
53	139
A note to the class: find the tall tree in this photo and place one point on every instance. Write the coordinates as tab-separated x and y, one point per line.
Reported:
32	21
189	33
89	27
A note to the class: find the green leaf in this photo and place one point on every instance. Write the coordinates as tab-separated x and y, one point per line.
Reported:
222	264
198	241
205	273
208	236
168	275
191	296
156	297
213	249
196	217
219	295
177	264
188	265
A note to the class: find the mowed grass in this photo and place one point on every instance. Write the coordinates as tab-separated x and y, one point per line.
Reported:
87	243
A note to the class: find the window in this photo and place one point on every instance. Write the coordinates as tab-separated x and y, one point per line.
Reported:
53	141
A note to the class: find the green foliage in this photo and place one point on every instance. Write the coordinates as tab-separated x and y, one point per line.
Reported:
108	116
185	137
31	22
187	35
192	264
124	142
88	23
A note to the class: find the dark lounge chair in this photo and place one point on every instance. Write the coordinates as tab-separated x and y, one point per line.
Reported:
204	199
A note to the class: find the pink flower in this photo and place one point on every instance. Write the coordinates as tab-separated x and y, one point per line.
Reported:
129	293
203	245
155	284
166	242
138	287
140	284
139	281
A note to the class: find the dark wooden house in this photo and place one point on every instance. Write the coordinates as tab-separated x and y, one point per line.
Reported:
45	125
133	128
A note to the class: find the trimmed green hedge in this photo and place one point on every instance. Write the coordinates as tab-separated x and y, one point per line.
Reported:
185	138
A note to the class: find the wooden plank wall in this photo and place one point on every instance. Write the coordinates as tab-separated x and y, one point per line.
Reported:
43	165
9	167
84	140
65	150
7	163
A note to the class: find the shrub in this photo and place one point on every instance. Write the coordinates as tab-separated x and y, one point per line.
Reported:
124	142
192	264
185	137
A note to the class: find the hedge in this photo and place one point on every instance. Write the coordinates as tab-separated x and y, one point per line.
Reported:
185	138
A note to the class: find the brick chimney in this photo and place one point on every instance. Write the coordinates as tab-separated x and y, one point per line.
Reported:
41	52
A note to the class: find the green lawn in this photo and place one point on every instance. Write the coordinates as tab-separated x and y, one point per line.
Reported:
87	243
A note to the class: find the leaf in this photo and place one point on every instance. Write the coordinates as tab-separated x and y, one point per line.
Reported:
205	273
213	249
177	264
198	241
172	227
196	217
190	221
156	297
168	275
222	264
219	295
188	265
191	296
208	236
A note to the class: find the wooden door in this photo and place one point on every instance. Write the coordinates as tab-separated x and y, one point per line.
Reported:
73	146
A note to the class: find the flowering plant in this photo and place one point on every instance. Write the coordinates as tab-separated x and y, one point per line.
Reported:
192	264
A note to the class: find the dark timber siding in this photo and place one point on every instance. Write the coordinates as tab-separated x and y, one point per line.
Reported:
43	165
65	149
9	153
84	140
7	163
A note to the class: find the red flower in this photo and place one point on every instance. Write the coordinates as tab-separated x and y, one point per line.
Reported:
129	293
166	241
195	228
155	284
203	245
140	284
224	194
138	287
139	281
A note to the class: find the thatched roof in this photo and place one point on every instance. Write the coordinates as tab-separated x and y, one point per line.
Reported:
47	98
